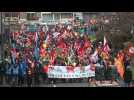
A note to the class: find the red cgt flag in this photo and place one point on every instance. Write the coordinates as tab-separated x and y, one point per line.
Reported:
86	44
131	51
106	47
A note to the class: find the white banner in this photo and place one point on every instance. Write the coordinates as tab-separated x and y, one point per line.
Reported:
71	75
63	72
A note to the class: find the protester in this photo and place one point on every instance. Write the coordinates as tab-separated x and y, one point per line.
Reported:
29	73
62	45
128	77
8	73
21	72
100	71
2	72
36	74
44	74
15	70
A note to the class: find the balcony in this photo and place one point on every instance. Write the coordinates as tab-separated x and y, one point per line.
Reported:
51	22
32	18
11	20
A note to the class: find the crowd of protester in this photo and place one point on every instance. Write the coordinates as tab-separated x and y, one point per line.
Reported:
62	44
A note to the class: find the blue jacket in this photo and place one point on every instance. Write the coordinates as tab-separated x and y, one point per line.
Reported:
15	69
22	69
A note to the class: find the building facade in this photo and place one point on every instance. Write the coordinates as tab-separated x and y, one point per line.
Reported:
11	22
52	18
30	20
49	17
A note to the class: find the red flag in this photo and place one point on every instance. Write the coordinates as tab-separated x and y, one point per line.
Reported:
120	55
35	37
53	53
56	34
45	69
105	45
14	52
86	44
64	34
130	50
15	34
42	36
29	42
119	64
52	56
48	38
64	52
61	45
42	52
76	45
80	52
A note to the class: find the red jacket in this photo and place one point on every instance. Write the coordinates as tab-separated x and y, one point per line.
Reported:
45	69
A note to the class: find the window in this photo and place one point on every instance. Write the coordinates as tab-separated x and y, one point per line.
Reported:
7	14
15	14
32	16
11	14
57	16
66	15
47	17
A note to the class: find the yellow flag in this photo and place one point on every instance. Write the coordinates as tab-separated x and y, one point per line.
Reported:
120	67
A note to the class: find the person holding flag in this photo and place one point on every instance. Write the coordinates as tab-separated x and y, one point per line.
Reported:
13	55
36	49
62	46
52	56
42	52
87	43
105	49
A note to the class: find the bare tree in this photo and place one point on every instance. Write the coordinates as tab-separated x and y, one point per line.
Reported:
119	30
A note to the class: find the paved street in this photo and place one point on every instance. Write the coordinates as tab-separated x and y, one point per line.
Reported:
67	85
84	83
58	84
